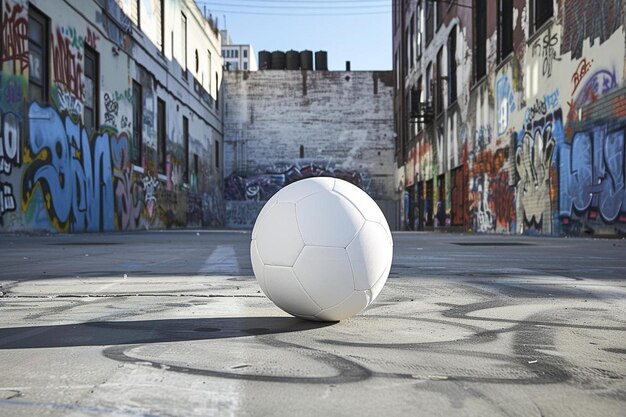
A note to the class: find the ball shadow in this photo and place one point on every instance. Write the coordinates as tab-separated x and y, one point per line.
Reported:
105	333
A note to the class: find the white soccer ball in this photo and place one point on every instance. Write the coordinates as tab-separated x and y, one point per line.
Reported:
321	249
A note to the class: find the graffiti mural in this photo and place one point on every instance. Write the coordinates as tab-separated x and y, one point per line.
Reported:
128	193
68	76
72	171
505	103
15	36
491	198
261	187
536	176
598	84
10	157
591	175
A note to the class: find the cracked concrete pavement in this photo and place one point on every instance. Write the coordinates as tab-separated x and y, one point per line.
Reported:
173	324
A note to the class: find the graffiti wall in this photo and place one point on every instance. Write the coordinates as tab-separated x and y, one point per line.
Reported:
539	138
282	127
82	148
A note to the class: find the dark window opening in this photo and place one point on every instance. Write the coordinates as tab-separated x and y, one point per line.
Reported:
452	66
137	123
186	149
439	104
183	29
429	11
457	193
161	18
301	151
418	30
38	66
480	39
541	11
161	136
412	46
90	107
505	28
217	154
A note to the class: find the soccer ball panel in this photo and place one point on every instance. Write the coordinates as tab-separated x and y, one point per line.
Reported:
287	293
328	219
259	219
368	207
257	267
301	189
352	305
278	239
370	253
325	274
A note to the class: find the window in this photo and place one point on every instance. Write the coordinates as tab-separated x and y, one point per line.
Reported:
161	137
405	52
245	66
418	30
161	19
236	53
217	92
505	28
480	39
441	11
137	123
196	168
38	32
184	43
245	53
418	100
217	153
452	66
412	44
540	12
430	20
90	101
186	148
209	73
439	104
429	83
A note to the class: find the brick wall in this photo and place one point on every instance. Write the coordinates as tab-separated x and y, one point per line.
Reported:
285	125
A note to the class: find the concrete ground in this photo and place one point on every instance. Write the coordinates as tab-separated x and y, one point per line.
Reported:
173	324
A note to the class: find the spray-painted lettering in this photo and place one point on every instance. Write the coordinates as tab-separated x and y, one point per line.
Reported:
15	36
591	174
73	172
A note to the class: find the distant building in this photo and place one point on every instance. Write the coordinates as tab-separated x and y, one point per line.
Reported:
282	126
237	57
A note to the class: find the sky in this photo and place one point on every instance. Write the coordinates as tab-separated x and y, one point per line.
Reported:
358	31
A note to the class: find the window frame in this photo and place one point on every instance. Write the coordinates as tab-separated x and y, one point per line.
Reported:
137	144
35	14
92	54
161	135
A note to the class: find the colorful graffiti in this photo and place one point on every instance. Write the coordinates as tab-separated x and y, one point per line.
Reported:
10	156
542	106
491	198
15	36
505	103
597	84
535	190
261	187
68	74
72	171
591	173
581	70
595	20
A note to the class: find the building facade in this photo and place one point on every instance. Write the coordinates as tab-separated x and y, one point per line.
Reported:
282	126
510	115
111	116
237	57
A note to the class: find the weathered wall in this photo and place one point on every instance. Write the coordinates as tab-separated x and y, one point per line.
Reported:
540	139
57	175
343	122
